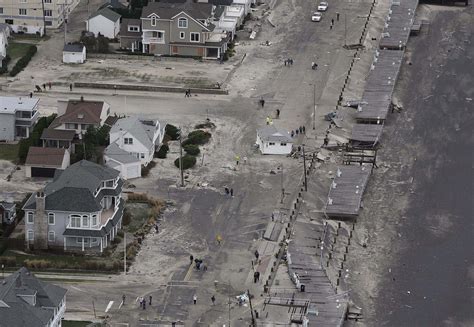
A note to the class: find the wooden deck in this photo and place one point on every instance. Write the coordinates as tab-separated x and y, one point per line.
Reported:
377	96
397	32
346	194
367	134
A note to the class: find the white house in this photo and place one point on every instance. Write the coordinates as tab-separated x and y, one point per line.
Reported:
105	22
137	137
18	116
245	4
128	165
272	140
74	54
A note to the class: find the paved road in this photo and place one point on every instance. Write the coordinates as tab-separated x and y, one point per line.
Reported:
432	282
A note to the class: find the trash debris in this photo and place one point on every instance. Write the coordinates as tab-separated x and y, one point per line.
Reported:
468	99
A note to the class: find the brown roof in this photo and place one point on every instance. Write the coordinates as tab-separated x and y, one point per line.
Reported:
124	32
58	134
111	120
80	112
45	156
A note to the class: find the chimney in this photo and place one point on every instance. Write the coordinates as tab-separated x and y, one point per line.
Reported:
40	223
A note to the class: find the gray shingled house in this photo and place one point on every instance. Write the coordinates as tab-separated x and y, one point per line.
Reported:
29	302
80	210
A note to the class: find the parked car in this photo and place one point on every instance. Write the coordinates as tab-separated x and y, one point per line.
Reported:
316	17
323	6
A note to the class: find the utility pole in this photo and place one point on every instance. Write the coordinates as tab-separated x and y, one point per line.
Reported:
345	29
281	182
314	106
181	157
251	309
304	167
124	253
228	293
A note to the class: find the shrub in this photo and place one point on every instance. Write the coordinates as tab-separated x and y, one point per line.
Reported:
23	62
8	261
161	154
188	161
192	149
207	124
198	137
172	131
146	169
126	218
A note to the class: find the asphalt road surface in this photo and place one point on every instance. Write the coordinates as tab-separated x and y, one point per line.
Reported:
432	281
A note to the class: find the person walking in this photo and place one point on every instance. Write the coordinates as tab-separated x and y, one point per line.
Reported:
31	94
232	192
245	160
237	159
150	300
213	300
332	21
123	299
273	217
278	113
195	298
337	16
70	87
50	85
226	189
255	278
256	254
44	87
191	259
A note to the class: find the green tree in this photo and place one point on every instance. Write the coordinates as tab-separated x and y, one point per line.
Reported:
35	137
89	42
102	44
172	131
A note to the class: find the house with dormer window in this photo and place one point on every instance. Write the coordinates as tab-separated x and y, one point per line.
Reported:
80	210
182	29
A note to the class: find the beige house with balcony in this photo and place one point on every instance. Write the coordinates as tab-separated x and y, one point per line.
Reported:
182	29
32	16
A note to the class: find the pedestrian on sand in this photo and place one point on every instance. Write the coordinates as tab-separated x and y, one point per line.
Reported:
123	299
278	113
255	278
144	304
31	94
191	259
237	159
70	87
256	254
49	85
232	192
291	61
273	217
44	86
304	129
258	275
213	299
285	61
245	160
326	141
301	129
262	102
292	133
189	92
332	21
150	300
296	131
226	190
337	16
330	27
195	298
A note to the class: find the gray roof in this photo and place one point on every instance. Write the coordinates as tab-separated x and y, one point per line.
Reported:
73	189
58	134
107	13
21	313
167	10
272	134
7	205
141	131
113	151
73	47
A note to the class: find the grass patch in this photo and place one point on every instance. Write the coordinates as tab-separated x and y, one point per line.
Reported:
17	50
75	323
139	213
9	152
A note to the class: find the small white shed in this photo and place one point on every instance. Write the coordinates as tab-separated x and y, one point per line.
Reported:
74	54
118	159
105	22
272	140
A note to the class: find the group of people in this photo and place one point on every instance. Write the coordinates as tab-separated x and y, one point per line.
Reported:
142	302
299	130
43	89
187	93
198	263
289	62
229	191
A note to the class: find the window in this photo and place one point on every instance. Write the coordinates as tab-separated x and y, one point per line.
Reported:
85	221
83	126
195	37
1	10
142	155
9	21
48	23
30	218
133	28
153	21
182	35
283	144
47	1
75	221
271	143
48	13
128	140
94	221
31	235
79	240
51	236
94	241
51	218
182	23
109	183
22	12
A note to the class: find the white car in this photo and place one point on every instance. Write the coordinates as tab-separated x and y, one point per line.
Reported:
323	6
316	17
